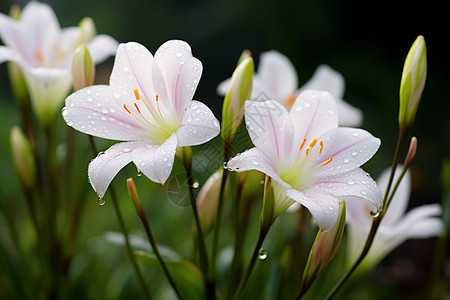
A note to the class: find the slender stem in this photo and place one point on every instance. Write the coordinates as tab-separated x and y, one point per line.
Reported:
226	150
203	256
261	237
143	216
124	231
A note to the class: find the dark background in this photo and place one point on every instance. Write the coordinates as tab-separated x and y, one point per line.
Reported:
366	41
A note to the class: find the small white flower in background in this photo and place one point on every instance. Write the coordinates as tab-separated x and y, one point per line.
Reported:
44	52
396	227
277	79
311	159
149	104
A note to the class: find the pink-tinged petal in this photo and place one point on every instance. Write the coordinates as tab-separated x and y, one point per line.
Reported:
358	211
356	183
132	70
278	74
102	47
156	162
400	200
328	80
313	113
106	165
14	35
270	128
349	149
181	72
198	125
323	207
254	159
42	28
93	110
348	115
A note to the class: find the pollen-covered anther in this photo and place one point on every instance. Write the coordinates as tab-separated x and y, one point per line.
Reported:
136	94
125	107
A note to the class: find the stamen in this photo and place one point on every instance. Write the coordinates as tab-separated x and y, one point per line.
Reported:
137	107
321	147
136	94
38	56
313	143
125	106
327	161
156	97
303	143
307	151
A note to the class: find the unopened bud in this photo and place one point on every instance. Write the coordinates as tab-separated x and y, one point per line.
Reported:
208	199
411	152
23	157
87	31
83	68
412	83
233	104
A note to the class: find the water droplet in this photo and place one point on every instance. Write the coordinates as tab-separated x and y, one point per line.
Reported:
179	54
101	201
307	104
255	163
375	213
216	123
331	112
195	185
355	134
351	182
139	173
354	152
100	153
346	160
225	165
262	254
298	108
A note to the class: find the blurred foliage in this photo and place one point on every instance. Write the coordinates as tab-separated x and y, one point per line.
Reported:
366	42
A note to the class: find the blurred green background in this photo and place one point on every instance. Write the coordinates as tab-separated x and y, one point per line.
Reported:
365	41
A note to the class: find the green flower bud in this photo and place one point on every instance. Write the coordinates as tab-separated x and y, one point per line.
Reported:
87	31
324	249
412	83
23	157
83	68
239	91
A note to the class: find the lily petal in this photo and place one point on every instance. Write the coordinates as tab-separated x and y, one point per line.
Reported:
105	166
254	159
198	125
93	110
399	202
313	113
353	183
7	54
349	115
269	127
277	70
102	47
326	79
156	162
323	207
349	148
181	72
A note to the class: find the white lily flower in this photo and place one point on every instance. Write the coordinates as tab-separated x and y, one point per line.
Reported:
44	52
396	227
308	155
149	104
277	79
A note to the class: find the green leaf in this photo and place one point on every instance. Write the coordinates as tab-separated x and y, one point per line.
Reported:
187	277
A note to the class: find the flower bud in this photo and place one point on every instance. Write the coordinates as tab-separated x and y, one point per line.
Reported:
208	199
83	68
239	91
87	31
23	157
412	83
324	249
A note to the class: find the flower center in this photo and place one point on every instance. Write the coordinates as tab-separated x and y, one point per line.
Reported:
151	117
297	171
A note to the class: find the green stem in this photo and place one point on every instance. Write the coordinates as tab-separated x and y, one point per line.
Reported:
261	237
203	256
226	150
124	231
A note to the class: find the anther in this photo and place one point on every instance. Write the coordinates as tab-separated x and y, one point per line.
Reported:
327	161
39	56
321	147
303	143
136	94
137	107
313	143
125	106
156	97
